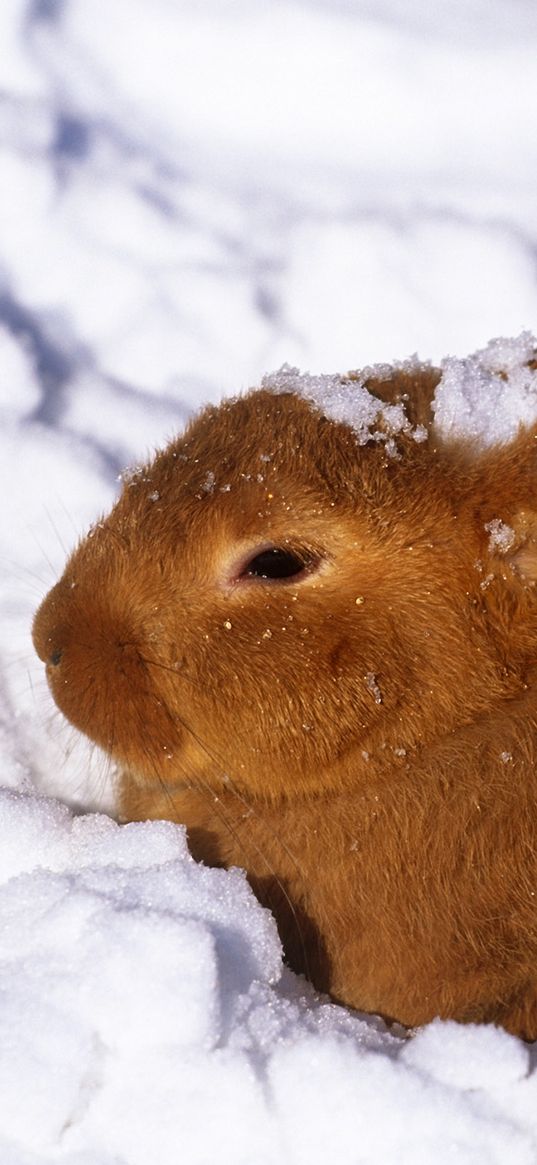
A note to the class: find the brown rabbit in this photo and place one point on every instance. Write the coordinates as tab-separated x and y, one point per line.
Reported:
319	653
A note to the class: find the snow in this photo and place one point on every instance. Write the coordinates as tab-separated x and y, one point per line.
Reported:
192	194
143	1005
485	397
343	399
501	537
488	395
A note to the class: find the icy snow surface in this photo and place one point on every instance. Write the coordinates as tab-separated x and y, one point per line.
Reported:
193	193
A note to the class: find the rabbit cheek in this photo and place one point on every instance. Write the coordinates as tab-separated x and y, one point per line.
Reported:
279	698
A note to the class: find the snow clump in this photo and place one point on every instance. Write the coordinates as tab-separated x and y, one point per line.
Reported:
346	400
487	396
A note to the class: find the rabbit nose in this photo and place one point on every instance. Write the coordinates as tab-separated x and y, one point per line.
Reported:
48	650
46	631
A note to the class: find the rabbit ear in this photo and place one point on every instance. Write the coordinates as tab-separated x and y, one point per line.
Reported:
414	387
498	485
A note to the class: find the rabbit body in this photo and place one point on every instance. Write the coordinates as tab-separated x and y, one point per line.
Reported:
360	734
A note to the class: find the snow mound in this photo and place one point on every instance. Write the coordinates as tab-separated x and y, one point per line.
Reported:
121	961
144	1012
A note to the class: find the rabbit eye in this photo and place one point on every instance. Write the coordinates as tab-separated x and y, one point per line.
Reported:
275	563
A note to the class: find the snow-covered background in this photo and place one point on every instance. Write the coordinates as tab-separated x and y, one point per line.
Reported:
191	193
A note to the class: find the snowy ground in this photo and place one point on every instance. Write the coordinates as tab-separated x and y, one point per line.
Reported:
193	192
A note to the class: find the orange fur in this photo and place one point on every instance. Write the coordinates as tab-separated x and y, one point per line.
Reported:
363	739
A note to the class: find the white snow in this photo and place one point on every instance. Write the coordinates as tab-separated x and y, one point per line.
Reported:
344	399
143	1006
485	396
488	395
501	537
194	193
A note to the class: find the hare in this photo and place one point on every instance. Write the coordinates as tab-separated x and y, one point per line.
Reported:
317	649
